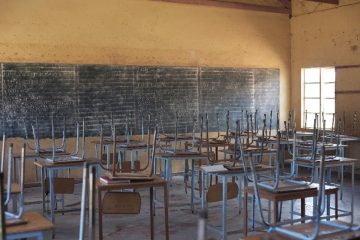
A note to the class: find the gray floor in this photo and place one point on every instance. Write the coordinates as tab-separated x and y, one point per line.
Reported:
183	224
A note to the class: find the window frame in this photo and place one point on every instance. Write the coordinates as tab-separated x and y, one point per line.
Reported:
321	97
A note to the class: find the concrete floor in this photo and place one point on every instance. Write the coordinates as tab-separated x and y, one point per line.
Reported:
183	224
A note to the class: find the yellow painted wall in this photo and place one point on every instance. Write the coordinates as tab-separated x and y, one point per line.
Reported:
143	32
323	35
327	35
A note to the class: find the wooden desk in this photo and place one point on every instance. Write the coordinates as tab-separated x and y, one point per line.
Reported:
35	226
52	167
156	182
220	171
32	156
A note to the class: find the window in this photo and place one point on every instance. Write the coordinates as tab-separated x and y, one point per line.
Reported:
318	95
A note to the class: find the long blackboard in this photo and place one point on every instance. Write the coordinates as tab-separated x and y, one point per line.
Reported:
37	91
99	93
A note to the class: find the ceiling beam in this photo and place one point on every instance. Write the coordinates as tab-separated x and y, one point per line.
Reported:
326	1
236	5
286	3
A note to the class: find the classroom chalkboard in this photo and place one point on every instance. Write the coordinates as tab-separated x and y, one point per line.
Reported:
105	93
127	94
225	89
164	92
37	91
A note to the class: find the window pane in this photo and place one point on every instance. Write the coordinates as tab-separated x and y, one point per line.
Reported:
312	90
310	120
328	119
312	105
329	105
312	75
328	74
328	90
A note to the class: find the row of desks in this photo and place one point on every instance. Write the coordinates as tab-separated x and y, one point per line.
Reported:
166	158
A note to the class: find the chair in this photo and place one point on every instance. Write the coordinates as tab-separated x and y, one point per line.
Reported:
37	148
291	191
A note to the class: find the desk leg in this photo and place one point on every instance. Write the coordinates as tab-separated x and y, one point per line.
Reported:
166	211
96	152
352	191
186	173
100	215
224	198
152	213
202	189
91	179
341	181
107	156
336	205
83	204
239	194
169	170
245	213
52	197
43	189
192	184
302	209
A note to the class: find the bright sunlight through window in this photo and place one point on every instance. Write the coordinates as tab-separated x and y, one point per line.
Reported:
318	95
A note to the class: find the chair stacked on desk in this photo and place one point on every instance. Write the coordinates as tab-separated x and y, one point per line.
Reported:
119	185
288	187
18	223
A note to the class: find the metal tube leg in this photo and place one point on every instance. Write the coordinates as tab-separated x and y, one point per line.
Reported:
253	212
100	215
186	172
83	204
151	213
341	181
92	195
202	173
107	156
224	199
292	212
96	151
169	170
52	197
269	211
192	184
154	190
166	211
131	160
42	172
239	194
352	191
